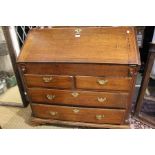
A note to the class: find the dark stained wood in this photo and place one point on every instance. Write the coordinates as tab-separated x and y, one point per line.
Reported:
55	81
95	45
38	121
112	83
66	113
146	77
144	85
74	69
83	98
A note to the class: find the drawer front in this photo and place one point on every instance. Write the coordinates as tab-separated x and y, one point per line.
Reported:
75	69
89	115
49	81
80	98
109	83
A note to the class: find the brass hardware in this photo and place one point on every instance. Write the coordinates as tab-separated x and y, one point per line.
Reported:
75	94
128	31
47	79
76	110
77	32
132	71
23	68
53	113
100	99
50	97
102	82
99	117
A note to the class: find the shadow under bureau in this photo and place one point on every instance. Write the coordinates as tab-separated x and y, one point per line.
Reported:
82	76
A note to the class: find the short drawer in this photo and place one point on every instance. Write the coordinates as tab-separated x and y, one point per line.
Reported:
104	83
49	81
89	115
78	98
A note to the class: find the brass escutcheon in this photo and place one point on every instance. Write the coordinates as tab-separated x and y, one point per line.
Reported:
77	32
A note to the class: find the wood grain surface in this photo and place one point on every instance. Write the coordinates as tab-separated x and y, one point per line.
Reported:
95	45
110	116
55	81
74	69
83	98
111	83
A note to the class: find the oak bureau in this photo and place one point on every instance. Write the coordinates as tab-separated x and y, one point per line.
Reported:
80	76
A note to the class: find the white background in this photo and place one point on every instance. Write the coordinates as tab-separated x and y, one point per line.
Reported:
83	13
77	12
77	142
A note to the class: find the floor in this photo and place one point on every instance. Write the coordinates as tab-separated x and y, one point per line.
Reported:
17	118
12	95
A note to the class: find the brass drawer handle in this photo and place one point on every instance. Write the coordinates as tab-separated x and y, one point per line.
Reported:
75	94
47	79
53	113
50	97
102	82
99	117
76	111
100	99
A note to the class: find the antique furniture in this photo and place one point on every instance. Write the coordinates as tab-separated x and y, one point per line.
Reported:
140	111
80	76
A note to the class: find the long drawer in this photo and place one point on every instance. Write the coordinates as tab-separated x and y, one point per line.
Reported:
49	81
80	98
75	69
90	115
104	83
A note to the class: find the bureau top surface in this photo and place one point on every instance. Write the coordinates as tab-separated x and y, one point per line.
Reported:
108	45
